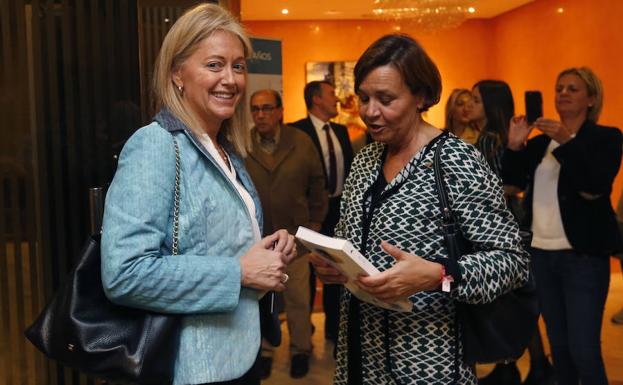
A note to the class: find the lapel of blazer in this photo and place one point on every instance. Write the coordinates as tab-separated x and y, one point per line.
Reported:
342	136
272	161
311	131
541	143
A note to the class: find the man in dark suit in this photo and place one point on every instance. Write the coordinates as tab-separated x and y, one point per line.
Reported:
335	150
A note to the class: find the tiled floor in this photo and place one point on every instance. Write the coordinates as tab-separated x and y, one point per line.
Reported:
321	364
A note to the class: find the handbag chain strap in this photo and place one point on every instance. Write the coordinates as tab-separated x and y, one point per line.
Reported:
176	203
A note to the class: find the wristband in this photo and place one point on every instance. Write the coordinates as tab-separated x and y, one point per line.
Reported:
445	280
450	273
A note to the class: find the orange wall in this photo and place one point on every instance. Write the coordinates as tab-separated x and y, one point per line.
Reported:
526	47
533	43
462	54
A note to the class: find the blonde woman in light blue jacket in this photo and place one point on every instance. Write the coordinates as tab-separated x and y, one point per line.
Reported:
223	267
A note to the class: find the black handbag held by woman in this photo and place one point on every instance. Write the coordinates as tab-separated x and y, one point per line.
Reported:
498	331
82	329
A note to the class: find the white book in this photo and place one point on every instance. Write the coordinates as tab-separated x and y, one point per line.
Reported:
343	256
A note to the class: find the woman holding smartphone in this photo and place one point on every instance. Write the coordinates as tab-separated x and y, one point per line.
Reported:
567	173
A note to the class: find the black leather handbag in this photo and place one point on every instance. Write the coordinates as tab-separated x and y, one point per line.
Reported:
82	329
498	331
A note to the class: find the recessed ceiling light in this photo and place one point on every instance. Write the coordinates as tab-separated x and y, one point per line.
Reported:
471	10
332	12
285	11
560	10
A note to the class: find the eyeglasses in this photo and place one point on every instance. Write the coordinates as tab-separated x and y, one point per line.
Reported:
266	108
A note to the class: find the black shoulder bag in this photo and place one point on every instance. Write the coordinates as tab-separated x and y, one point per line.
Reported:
82	329
498	331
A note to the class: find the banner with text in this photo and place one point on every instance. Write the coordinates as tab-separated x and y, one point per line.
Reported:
265	69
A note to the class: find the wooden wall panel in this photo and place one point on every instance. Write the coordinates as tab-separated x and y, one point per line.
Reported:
69	97
75	78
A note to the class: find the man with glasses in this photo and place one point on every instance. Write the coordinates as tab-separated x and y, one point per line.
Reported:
288	175
334	147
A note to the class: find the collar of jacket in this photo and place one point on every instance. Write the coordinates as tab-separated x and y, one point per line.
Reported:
284	147
173	124
170	122
585	128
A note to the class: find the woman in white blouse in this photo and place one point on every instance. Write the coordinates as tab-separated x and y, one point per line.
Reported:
567	173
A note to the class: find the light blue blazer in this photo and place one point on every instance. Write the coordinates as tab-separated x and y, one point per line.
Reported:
220	335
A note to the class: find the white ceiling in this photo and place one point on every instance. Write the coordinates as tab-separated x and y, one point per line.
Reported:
348	9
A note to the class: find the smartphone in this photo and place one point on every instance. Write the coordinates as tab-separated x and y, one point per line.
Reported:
534	105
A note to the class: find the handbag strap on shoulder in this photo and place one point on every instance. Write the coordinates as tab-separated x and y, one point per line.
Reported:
444	202
455	242
176	203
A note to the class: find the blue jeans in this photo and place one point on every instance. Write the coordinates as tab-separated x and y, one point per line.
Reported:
572	290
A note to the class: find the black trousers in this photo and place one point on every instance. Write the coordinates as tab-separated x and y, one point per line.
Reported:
330	293
331	304
572	289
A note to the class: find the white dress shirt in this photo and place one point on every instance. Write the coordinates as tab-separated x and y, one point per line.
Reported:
548	231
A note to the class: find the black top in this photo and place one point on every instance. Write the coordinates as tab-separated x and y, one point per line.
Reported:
588	164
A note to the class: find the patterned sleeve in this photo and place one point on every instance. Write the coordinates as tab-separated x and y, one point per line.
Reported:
498	262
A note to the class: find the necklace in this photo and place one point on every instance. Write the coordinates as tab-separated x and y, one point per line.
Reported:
223	155
205	138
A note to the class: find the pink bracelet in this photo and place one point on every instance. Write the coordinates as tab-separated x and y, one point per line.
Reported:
446	280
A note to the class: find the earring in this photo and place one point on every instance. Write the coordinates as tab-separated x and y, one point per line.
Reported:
181	89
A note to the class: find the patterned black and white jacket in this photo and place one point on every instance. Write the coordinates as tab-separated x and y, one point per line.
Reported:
419	347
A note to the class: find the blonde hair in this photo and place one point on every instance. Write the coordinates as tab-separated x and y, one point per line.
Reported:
593	87
454	96
179	44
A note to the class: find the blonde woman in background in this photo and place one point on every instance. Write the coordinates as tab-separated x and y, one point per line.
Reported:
458	114
567	172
